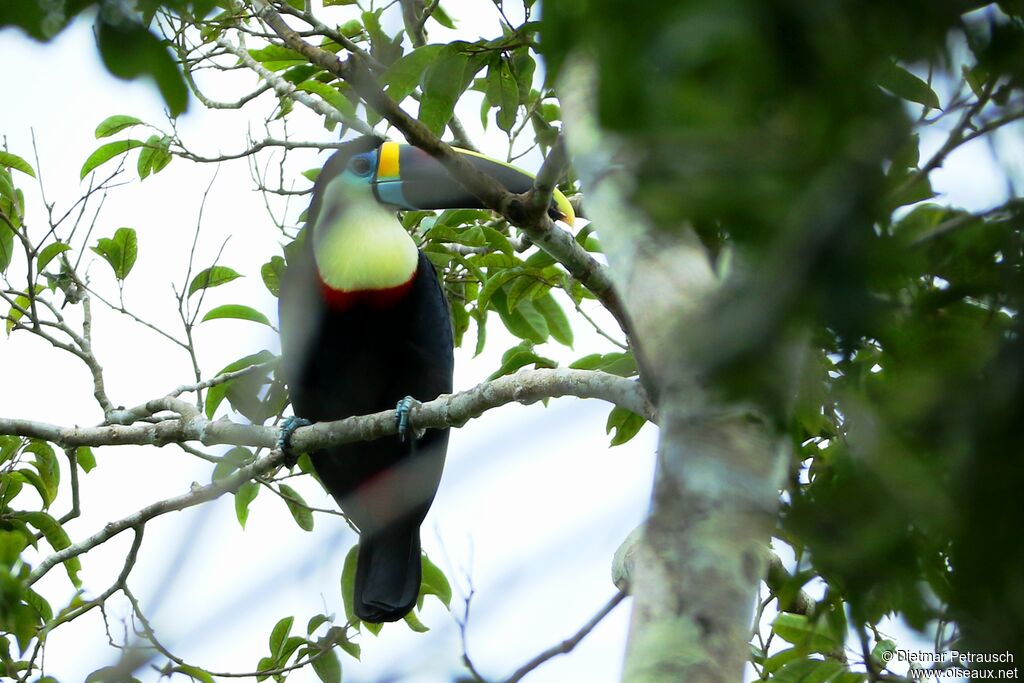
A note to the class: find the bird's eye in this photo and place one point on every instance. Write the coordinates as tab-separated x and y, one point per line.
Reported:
361	166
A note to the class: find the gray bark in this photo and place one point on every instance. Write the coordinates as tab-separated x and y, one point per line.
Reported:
696	570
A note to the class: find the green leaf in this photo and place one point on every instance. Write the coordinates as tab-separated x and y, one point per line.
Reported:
804	633
504	91
194	672
497	241
352	649
279	636
626	424
402	77
523	67
526	322
245	495
809	671
217	393
976	77
105	153
214	276
21	303
236	312
443	84
442	17
481	330
555	317
327	667
460	318
130	51
383	47
916	191
10	487
120	251
115	124
882	647
39	604
272	271
230	462
297	506
434	582
348	583
12	544
518	357
316	622
86	459
265	664
6	247
906	85
780	659
276	58
353	27
13	161
154	156
330	95
413	622
622	364
303	72
110	674
49	252
906	156
524	288
56	537
9	445
45	462
34	480
493	285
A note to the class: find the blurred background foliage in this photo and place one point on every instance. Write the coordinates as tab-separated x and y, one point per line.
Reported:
786	134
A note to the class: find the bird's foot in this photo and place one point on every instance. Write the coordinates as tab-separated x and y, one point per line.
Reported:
403	408
284	439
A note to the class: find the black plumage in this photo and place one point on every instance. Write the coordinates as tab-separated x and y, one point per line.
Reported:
363	358
358	348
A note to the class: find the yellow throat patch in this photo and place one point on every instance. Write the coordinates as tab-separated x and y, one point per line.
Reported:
357	244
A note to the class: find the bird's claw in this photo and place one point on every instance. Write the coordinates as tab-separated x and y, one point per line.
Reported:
403	408
284	439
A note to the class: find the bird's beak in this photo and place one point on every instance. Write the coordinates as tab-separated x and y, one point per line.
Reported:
409	178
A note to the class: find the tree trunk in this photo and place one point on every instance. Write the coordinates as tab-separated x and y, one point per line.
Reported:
699	564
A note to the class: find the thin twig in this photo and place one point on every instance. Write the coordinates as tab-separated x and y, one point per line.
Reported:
569	644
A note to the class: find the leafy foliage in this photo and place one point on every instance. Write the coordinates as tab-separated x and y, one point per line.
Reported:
902	489
788	136
120	251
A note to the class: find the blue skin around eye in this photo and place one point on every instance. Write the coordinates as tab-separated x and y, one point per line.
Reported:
387	190
371	165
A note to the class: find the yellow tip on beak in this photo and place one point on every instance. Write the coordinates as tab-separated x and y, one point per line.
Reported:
564	207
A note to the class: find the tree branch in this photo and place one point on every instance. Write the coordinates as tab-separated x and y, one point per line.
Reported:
285	89
569	644
447	410
556	242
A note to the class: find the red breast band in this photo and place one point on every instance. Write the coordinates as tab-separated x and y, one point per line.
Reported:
339	299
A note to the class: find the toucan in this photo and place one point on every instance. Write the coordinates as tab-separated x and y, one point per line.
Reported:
365	327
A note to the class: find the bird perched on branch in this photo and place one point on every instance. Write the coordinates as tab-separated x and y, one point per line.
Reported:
365	327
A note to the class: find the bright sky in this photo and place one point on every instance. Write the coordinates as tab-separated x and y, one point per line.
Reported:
533	503
532	506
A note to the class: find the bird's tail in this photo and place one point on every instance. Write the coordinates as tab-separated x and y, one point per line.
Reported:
388	572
